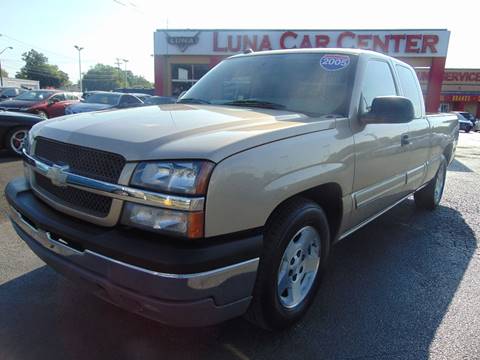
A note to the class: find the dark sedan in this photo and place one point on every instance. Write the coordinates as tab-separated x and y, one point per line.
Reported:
102	100
14	129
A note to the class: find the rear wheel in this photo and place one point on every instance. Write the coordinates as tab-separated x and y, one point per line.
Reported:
295	253
15	139
430	196
467	129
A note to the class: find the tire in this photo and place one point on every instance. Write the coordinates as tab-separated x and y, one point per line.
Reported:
14	140
429	197
42	114
295	223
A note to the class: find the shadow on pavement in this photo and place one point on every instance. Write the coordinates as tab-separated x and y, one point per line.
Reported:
387	290
458	166
5	157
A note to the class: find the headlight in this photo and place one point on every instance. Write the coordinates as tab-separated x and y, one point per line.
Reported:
174	222
188	178
181	177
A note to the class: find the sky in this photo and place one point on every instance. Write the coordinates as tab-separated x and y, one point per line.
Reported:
110	29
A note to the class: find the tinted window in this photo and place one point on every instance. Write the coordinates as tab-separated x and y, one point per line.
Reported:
59	97
129	99
305	83
9	92
35	95
408	81
378	81
103	98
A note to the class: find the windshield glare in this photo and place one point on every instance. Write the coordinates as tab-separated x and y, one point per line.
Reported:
35	95
107	99
302	83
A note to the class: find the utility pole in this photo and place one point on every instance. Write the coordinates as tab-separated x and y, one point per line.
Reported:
118	62
1	52
79	67
126	81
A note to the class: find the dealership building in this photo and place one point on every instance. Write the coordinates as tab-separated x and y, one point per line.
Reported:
183	56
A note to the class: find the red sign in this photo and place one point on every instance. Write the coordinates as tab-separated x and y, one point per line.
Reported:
455	76
400	43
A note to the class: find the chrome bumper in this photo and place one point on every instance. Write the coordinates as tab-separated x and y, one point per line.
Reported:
196	299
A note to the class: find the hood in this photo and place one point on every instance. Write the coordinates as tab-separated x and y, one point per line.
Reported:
86	107
178	131
18	104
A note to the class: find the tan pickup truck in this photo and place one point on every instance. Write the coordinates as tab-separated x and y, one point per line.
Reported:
228	202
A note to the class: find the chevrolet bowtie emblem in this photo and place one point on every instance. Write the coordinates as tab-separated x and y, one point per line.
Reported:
58	175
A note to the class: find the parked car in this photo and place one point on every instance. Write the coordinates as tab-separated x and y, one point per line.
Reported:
160	100
464	123
10	92
14	128
228	202
469	117
45	103
103	100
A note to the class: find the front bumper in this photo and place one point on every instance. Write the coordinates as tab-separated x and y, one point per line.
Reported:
210	295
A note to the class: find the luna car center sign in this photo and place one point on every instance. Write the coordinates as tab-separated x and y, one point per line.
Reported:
399	43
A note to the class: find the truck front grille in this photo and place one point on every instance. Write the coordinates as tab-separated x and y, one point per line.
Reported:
91	163
90	203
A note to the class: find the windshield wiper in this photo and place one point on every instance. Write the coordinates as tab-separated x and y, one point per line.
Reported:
255	103
192	101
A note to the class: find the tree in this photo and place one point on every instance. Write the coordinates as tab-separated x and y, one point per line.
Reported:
106	77
37	68
137	81
4	73
102	77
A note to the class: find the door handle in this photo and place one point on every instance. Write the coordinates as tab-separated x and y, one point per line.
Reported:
405	140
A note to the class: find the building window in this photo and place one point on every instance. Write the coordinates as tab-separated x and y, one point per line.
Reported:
185	75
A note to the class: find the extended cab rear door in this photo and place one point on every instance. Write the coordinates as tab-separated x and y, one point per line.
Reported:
418	143
381	160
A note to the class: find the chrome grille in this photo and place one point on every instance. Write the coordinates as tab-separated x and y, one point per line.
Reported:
92	163
88	162
93	204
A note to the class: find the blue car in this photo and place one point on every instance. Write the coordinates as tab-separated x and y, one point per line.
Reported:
103	100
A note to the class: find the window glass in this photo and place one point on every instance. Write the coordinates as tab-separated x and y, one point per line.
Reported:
59	97
378	81
185	75
315	84
103	98
129	99
409	85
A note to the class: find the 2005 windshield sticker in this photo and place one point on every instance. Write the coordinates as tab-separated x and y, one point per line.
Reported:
334	62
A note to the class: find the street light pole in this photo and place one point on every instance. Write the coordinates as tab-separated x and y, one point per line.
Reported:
79	67
1	75
126	81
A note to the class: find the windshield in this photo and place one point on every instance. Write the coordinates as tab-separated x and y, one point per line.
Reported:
103	98
35	95
314	84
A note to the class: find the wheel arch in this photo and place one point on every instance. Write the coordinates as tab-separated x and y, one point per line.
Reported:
328	196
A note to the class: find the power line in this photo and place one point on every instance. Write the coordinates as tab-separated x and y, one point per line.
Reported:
37	47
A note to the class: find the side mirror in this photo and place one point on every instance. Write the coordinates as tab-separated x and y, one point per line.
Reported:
389	109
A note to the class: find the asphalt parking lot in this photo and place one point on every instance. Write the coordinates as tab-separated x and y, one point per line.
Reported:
407	286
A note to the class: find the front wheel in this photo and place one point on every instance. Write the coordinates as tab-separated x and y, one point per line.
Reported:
296	248
429	197
15	139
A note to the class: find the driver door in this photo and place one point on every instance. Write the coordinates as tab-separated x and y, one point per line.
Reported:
381	159
57	105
